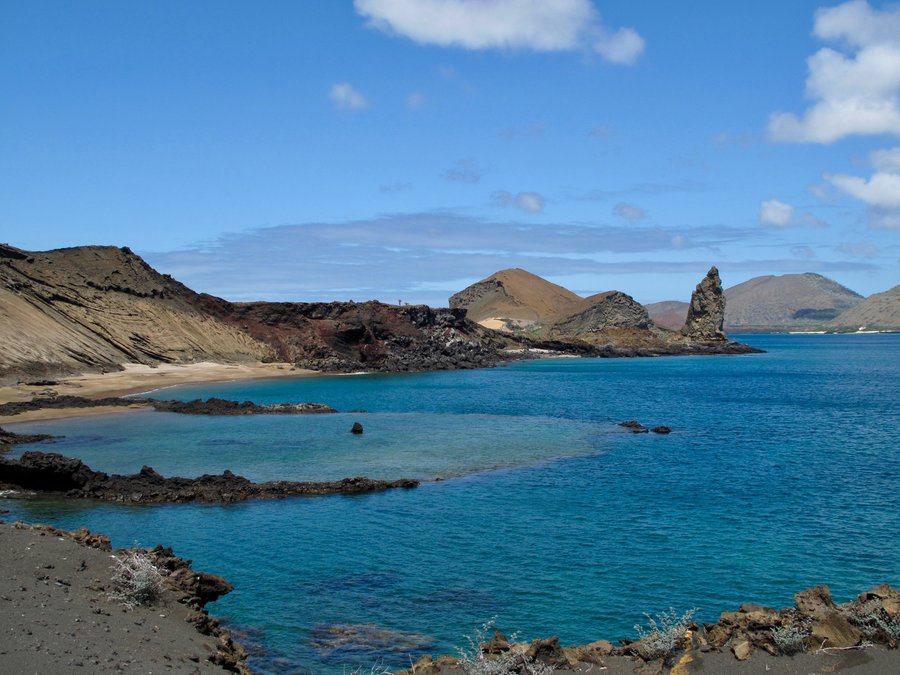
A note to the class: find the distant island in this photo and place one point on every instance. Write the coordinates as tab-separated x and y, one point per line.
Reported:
795	303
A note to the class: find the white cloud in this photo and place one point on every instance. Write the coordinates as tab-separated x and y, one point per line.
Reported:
529	202
855	93
630	212
881	191
776	213
345	97
539	25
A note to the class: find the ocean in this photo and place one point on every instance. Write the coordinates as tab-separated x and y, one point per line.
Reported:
782	472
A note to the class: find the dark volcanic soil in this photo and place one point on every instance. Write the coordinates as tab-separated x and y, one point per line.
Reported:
56	615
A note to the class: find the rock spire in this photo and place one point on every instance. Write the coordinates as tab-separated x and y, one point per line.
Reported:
707	311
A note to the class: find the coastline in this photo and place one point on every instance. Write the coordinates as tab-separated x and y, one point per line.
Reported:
135	379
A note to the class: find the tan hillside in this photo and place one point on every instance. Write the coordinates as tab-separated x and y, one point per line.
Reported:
93	307
668	314
515	294
880	311
786	301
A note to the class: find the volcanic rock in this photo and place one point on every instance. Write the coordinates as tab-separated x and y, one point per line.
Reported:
706	313
53	472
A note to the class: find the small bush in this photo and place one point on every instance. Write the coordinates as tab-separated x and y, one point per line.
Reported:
473	661
871	619
663	635
136	580
790	639
377	669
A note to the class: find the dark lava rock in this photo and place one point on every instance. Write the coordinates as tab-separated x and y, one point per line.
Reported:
357	428
8	438
661	430
706	314
53	472
220	406
635	426
212	406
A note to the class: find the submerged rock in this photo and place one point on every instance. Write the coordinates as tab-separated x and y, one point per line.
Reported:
357	428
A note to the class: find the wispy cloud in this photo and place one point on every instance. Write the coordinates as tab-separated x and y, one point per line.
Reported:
528	202
630	212
560	25
345	97
857	92
399	253
415	100
527	132
464	171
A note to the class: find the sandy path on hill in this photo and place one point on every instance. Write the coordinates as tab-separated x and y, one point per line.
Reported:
135	379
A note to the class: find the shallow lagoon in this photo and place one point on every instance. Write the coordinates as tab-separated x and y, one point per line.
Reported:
781	473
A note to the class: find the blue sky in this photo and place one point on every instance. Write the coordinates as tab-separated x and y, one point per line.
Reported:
402	149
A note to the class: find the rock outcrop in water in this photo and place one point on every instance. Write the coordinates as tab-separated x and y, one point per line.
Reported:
52	472
211	406
8	438
706	313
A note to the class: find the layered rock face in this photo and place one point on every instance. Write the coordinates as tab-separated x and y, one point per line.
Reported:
95	307
604	311
706	313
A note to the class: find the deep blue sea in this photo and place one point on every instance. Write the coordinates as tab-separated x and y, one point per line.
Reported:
783	471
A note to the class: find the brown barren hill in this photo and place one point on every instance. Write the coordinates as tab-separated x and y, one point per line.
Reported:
668	314
786	301
94	307
877	312
515	294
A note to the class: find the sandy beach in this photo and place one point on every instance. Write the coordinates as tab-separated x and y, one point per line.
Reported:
136	378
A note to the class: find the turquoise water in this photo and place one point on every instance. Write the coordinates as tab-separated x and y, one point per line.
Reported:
782	472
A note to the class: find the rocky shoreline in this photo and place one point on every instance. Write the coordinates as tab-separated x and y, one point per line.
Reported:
69	612
211	406
51	472
672	643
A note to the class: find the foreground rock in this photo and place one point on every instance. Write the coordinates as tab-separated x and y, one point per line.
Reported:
51	472
815	627
62	613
